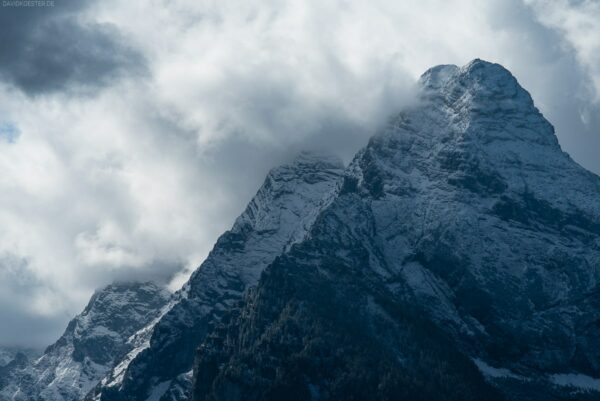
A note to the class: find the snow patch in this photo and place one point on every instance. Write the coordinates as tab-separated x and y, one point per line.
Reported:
495	373
576	380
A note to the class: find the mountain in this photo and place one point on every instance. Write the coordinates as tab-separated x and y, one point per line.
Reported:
89	347
457	257
280	215
458	261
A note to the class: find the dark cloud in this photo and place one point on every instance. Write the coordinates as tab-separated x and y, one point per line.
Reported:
49	49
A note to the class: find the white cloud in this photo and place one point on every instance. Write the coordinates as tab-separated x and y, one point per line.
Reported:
579	24
139	179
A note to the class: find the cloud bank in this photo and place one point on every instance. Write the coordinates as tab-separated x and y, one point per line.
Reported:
53	48
133	133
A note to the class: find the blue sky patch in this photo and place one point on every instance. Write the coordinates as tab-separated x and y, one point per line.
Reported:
9	132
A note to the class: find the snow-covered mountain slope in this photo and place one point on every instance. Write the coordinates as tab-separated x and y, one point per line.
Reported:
278	216
494	228
464	245
92	343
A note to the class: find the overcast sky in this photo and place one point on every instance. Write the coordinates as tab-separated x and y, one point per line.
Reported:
132	133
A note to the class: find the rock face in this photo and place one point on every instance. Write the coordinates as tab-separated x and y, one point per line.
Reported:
280	215
459	260
92	343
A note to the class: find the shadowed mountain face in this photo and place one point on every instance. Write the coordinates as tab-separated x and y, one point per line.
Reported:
456	258
460	259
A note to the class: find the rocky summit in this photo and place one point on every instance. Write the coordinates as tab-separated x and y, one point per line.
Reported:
457	257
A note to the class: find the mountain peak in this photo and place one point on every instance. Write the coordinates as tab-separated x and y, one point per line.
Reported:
480	103
437	76
476	67
306	179
474	126
486	66
124	294
480	78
